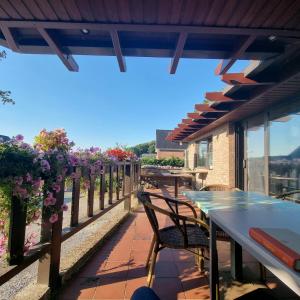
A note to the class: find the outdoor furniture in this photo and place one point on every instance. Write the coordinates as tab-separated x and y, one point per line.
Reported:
217	187
144	293
187	233
175	177
236	222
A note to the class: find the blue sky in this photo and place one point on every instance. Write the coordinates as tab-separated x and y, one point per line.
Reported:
99	105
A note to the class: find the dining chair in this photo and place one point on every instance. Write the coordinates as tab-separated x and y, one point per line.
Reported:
218	187
290	196
186	232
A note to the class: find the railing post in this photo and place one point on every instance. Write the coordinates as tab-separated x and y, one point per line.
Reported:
123	179
110	190
118	181
46	226
91	191
75	197
17	229
102	188
127	186
48	269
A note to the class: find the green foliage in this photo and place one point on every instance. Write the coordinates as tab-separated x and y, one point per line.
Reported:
5	95
144	148
173	161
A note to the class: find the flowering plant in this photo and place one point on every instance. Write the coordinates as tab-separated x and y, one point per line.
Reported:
120	154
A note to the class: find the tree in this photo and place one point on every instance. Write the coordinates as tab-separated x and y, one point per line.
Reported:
5	95
140	149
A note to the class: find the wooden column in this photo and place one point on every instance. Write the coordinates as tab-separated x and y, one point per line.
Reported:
127	186
48	269
17	230
91	191
118	181
75	197
102	188
111	187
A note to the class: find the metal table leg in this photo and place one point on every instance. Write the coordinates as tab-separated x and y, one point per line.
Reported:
236	254
176	186
213	272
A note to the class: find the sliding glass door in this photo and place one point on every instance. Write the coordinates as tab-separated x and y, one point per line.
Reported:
255	155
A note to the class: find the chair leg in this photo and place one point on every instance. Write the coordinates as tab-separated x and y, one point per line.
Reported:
201	260
152	265
150	251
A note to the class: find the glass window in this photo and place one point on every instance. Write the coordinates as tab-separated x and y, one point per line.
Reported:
255	156
205	153
186	152
284	159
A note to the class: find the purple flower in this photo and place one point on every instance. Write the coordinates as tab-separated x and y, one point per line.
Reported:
53	218
64	207
59	178
28	177
45	165
50	200
56	187
19	138
59	157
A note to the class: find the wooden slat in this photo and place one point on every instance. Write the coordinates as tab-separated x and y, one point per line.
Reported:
66	59
9	38
220	97
60	10
178	52
110	184
10	10
214	12
35	9
22	9
47	10
75	197
118	50
188	12
102	187
226	64
72	10
97	6
90	199
118	181
111	10
85	10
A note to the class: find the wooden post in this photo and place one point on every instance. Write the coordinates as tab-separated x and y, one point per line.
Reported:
102	188
75	197
127	186
118	181
91	191
123	179
17	230
110	183
48	269
46	226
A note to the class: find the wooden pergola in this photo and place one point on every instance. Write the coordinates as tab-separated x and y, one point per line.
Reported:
267	31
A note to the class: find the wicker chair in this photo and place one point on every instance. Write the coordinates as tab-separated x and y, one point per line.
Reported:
187	233
218	187
289	196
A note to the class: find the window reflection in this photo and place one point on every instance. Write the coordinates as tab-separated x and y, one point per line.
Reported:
285	154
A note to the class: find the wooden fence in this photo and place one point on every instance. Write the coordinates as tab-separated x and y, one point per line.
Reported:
117	180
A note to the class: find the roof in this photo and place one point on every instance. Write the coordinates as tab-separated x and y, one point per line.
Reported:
163	144
157	28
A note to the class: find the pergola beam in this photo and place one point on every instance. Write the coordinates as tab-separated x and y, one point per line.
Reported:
220	97
226	64
204	108
178	52
67	60
153	28
9	38
239	79
118	50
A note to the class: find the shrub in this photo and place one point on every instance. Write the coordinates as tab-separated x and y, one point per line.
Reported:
173	161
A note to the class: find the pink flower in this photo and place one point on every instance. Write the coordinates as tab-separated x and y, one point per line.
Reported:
59	178
50	200
28	177
19	137
37	184
64	207
53	218
56	187
2	250
86	184
20	192
45	165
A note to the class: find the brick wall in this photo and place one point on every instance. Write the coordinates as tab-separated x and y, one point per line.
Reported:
223	168
169	154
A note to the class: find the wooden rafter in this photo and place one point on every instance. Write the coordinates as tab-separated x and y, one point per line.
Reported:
118	50
9	38
220	97
67	60
226	64
204	108
197	116
178	52
239	79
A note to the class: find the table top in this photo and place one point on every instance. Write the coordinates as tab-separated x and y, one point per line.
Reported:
237	221
208	201
181	175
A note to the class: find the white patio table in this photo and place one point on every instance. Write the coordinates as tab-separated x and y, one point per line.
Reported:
236	213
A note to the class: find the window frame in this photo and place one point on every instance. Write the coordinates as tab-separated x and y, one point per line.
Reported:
208	159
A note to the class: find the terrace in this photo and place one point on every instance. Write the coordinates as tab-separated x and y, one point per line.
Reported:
97	249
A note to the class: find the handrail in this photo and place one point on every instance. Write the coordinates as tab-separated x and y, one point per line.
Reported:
125	175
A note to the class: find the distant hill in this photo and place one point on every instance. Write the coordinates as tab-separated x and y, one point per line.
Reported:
144	148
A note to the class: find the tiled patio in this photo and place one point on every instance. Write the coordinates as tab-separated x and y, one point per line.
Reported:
118	268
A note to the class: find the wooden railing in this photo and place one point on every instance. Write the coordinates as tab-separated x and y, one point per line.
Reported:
115	179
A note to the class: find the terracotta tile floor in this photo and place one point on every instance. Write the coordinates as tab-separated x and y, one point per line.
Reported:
118	268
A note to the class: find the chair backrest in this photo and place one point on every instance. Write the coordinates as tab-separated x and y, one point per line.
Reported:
217	187
290	196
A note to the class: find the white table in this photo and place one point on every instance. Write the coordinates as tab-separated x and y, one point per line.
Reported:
237	221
